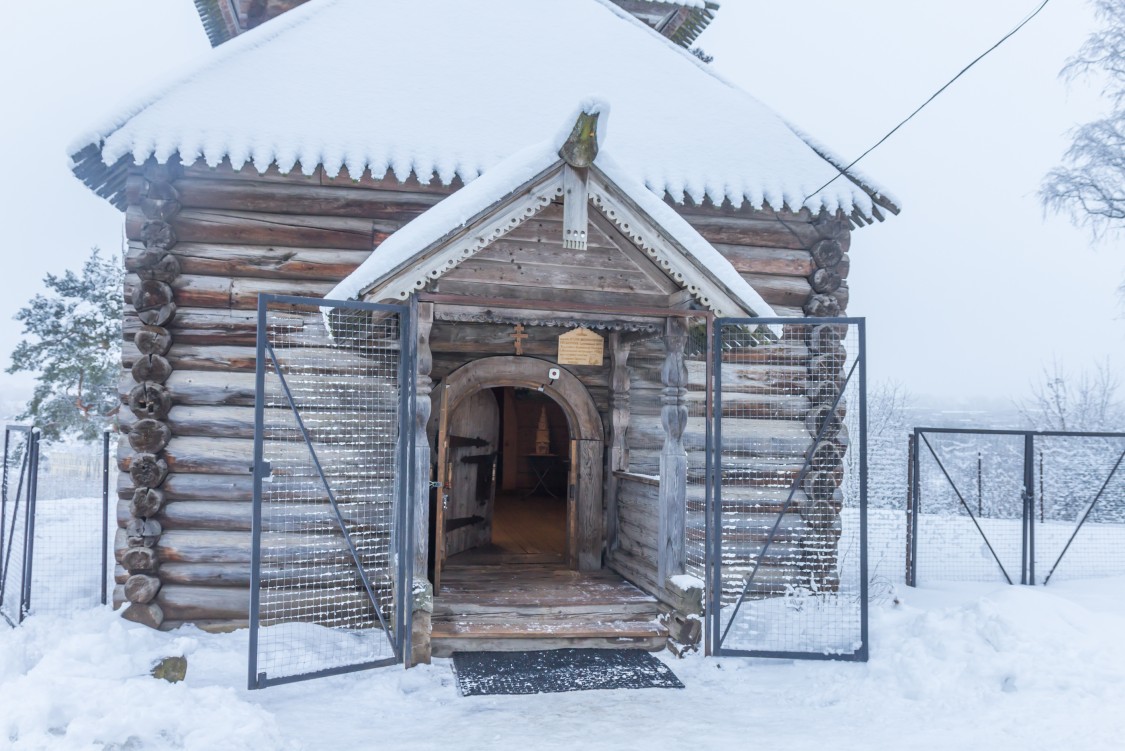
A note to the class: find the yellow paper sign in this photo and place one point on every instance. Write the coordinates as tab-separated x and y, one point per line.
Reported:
581	347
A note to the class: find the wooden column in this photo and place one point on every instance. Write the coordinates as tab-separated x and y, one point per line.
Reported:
619	385
423	590
673	457
149	400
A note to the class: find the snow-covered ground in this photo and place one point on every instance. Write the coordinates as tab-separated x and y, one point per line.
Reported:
965	666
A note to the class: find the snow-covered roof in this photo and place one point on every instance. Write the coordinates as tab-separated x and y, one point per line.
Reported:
450	89
223	20
421	250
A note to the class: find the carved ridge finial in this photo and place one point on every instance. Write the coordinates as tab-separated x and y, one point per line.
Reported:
581	146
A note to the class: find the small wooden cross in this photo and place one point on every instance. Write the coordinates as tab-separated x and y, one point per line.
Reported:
519	336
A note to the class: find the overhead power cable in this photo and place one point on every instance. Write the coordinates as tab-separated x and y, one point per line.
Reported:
934	96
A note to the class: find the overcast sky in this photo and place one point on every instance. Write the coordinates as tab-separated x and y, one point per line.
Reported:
967	294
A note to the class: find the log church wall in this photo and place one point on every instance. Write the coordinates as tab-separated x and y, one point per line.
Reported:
204	242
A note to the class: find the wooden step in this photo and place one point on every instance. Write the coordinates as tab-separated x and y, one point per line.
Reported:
532	634
541	606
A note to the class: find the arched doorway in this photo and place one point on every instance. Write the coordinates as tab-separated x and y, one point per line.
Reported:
463	387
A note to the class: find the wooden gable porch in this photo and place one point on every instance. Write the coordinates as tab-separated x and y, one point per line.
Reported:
566	250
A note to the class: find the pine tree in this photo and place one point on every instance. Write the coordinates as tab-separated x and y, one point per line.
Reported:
74	347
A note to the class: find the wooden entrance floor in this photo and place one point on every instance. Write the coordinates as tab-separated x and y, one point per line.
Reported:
530	606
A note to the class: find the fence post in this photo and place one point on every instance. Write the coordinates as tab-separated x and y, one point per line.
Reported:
1028	575
105	516
915	505
909	509
29	527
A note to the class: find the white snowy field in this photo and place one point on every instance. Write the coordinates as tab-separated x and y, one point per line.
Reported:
963	666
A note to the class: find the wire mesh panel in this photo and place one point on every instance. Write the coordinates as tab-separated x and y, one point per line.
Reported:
71	536
1018	506
331	488
1078	510
698	486
788	551
15	515
969	506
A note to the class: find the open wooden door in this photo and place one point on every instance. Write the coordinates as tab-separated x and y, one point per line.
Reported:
474	436
443	483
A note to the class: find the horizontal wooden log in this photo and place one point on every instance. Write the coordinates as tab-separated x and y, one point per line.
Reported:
249	228
148	400
780	290
238	422
312	200
146	470
782	377
221	326
194	357
825	281
227	293
206	388
768	233
189	603
148	435
196	487
199	547
827	254
136	559
238	575
207	574
150	340
141	588
645	402
291	460
142	532
760	260
147	614
165	267
222	516
144	503
260	261
153	368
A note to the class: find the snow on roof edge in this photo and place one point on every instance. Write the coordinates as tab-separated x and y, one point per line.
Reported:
878	195
245	42
858	179
105	175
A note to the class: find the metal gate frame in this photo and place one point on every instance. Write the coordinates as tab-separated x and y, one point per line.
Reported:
1027	557
400	638
28	471
715	492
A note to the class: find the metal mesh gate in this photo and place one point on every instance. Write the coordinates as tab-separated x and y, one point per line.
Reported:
1019	507
788	548
331	552
54	525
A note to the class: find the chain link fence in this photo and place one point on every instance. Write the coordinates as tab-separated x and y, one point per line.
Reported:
1016	506
54	535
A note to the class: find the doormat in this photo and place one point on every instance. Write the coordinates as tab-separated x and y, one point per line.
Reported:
558	670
